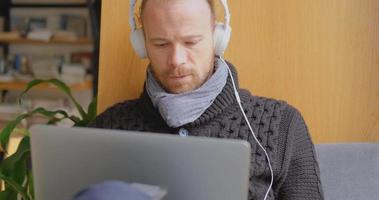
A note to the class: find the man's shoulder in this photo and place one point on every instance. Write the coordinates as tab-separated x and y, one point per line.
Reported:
123	106
268	104
115	114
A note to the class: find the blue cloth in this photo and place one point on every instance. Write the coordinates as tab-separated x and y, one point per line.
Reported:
111	190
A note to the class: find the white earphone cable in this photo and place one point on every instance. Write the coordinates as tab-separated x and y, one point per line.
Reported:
251	129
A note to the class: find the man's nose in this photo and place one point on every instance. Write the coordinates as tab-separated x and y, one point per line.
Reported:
178	56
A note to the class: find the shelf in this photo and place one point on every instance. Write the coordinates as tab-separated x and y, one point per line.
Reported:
12	38
51	5
19	85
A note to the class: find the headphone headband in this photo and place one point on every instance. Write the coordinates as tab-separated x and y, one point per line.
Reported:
133	24
226	11
132	21
221	33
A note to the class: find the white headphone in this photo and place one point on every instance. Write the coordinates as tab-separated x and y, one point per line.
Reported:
221	34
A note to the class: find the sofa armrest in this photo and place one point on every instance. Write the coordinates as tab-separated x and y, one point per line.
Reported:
349	171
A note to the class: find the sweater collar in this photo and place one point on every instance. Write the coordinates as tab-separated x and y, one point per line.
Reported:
222	101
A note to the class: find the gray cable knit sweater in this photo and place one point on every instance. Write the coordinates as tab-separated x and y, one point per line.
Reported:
280	128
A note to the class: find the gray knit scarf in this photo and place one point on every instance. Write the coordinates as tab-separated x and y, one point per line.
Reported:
186	107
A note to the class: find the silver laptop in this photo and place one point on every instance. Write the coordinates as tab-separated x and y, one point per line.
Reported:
66	160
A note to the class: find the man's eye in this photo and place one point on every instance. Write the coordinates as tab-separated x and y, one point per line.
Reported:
161	44
191	43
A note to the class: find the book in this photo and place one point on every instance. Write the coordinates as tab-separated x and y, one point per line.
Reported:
53	22
10	111
73	73
45	66
83	58
1	24
3	69
6	78
40	34
2	50
37	23
62	35
75	24
19	24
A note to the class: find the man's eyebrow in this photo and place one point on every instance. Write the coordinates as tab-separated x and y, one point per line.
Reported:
193	37
188	37
157	39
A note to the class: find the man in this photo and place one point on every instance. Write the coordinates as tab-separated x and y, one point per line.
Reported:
188	92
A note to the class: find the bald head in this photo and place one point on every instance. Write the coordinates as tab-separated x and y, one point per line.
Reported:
144	2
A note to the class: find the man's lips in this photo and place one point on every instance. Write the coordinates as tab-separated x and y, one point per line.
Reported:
178	77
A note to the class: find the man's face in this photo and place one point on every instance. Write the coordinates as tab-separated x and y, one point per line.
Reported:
179	42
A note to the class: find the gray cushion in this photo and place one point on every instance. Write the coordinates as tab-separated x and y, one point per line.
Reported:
349	171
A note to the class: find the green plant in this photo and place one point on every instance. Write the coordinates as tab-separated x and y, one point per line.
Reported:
15	169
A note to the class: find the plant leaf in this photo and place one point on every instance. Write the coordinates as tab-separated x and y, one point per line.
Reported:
8	194
15	186
54	121
48	113
30	184
75	118
15	165
8	129
81	123
22	131
91	114
10	126
92	110
13	169
29	86
62	86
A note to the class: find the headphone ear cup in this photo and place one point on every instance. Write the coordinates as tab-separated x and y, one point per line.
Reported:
221	38
138	42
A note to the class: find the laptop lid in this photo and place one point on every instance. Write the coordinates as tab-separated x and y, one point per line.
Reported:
66	160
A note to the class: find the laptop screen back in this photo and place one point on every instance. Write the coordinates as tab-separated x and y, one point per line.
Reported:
66	160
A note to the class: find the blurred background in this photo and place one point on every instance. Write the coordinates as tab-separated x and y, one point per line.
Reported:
320	56
47	39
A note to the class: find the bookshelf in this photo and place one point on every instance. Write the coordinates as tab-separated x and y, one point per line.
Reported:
21	85
13	38
66	51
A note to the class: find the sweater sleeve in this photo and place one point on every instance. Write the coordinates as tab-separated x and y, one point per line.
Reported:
301	178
